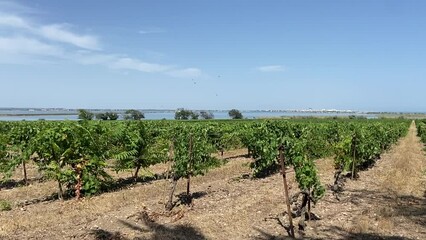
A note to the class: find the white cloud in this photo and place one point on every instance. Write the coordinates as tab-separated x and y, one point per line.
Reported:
89	58
28	46
135	64
60	33
13	21
26	41
185	73
127	63
271	68
54	32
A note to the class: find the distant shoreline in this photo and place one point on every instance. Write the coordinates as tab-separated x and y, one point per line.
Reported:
35	114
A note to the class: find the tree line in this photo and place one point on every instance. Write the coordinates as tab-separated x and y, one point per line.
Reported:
132	114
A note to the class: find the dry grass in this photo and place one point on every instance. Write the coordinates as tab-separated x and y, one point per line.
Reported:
405	167
361	224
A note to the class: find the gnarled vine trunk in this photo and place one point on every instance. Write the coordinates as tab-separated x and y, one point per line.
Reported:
169	205
135	176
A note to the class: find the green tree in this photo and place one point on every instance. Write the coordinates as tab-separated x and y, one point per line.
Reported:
194	115
206	115
112	115
235	114
85	114
133	114
182	114
102	116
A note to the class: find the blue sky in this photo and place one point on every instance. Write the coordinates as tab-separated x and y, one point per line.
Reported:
363	55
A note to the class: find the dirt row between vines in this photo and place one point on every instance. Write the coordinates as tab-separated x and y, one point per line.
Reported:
386	202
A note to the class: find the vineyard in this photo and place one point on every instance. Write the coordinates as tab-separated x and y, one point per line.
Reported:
421	129
87	160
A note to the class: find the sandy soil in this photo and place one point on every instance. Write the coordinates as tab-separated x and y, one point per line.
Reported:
386	202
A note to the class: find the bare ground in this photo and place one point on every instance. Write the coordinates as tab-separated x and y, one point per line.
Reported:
386	202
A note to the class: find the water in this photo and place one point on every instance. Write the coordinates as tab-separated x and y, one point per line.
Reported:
63	114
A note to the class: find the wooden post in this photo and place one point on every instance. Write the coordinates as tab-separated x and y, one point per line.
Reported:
281	153
25	172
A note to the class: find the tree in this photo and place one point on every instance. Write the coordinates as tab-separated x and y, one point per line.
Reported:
134	115
206	115
107	116
194	115
182	114
112	115
101	116
85	114
235	114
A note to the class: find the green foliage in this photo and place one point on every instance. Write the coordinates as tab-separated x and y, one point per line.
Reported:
192	151
269	136
421	130
102	116
138	147
18	151
107	116
69	150
206	115
72	151
134	115
182	114
3	147
305	141
305	169
112	116
85	114
194	115
361	143
223	137
235	114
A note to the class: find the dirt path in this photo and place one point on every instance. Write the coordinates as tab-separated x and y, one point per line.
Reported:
386	202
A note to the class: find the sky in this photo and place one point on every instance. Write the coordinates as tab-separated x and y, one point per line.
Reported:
222	54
